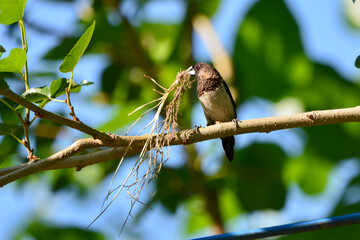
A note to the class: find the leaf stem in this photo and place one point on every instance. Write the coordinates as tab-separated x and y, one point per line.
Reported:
25	47
17	139
71	80
57	100
26	122
67	90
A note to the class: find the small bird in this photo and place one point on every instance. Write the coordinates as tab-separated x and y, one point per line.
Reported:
215	99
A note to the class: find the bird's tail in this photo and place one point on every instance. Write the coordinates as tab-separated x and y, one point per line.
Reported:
228	145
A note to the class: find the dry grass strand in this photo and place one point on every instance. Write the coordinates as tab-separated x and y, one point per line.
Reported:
152	150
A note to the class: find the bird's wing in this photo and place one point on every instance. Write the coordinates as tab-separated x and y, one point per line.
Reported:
231	98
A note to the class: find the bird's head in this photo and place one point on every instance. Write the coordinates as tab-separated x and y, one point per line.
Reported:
203	71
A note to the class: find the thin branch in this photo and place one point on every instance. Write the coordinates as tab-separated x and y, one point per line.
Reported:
77	162
61	159
269	124
71	107
68	102
26	122
42	113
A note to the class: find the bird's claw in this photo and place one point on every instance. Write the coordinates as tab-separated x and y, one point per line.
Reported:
235	121
197	127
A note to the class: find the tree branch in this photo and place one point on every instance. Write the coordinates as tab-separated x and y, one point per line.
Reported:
42	113
53	162
261	125
65	158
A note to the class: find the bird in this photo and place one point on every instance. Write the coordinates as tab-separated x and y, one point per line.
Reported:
216	100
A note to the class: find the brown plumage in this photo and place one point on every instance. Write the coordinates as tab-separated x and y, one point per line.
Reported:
216	100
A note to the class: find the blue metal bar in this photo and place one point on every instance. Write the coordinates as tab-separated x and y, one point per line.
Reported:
306	226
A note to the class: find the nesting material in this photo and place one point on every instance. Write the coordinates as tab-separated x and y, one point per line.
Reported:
152	151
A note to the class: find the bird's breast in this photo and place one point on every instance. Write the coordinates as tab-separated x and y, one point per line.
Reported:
217	105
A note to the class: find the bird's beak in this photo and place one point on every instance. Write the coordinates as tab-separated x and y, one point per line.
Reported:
191	71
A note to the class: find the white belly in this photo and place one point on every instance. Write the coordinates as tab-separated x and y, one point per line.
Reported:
217	106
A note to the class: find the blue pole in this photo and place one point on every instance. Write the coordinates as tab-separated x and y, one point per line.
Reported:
306	226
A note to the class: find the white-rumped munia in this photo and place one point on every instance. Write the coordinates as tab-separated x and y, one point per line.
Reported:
215	99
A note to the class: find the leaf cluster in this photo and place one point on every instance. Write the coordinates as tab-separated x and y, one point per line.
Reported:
12	12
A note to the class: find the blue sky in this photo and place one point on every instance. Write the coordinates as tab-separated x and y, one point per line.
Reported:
327	38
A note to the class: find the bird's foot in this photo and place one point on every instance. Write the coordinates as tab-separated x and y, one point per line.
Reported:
197	127
235	121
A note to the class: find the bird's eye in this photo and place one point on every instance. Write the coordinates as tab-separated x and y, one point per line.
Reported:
197	67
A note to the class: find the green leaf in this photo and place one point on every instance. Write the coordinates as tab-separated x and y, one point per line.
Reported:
83	83
309	171
257	172
37	94
173	186
57	52
14	62
2	50
77	51
199	218
280	58
3	83
11	11
57	87
41	230
357	62
229	204
8	128
4	158
208	7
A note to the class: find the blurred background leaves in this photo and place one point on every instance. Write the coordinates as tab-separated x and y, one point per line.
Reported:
269	64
